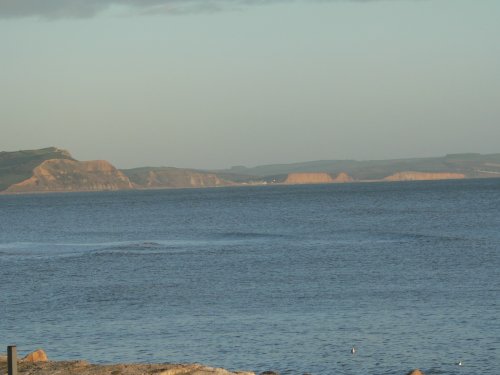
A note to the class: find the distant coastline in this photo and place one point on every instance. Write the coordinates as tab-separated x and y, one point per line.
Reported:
52	169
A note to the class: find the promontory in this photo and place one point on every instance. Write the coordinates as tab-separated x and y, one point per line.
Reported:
53	169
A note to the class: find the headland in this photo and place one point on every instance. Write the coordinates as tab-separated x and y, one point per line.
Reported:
55	170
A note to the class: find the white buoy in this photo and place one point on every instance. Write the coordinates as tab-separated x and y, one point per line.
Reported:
353	350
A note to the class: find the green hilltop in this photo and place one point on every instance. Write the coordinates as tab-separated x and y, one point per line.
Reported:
18	166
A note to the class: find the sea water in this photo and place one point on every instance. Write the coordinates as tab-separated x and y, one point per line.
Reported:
285	278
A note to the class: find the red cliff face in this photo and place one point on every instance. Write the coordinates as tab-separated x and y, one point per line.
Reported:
422	176
70	175
316	178
308	178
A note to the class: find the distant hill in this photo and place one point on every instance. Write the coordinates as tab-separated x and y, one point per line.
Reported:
52	169
18	166
470	165
169	177
71	175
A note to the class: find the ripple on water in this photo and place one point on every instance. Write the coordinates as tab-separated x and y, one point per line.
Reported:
281	278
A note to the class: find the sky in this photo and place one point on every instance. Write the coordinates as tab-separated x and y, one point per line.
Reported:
212	84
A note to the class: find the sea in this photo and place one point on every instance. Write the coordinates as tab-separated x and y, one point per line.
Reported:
283	278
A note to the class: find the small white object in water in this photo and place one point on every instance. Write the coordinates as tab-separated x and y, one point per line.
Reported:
459	363
353	350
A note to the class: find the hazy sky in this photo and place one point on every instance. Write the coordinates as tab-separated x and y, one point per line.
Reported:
209	84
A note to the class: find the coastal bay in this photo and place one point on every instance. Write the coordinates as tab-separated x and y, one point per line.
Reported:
260	278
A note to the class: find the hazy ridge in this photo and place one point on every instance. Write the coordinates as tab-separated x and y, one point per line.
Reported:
54	169
472	165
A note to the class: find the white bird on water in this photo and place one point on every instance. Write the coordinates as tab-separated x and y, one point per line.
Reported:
459	363
353	350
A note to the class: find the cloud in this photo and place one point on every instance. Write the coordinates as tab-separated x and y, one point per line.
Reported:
88	8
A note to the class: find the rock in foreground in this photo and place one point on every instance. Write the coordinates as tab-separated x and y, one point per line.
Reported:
415	372
85	368
26	367
36	356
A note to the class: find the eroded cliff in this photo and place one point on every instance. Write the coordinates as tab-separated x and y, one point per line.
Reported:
71	175
54	169
315	178
167	177
308	178
17	166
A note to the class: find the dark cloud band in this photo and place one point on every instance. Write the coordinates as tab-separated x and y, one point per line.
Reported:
88	8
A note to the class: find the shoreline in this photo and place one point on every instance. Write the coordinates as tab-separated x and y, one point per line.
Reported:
242	185
82	367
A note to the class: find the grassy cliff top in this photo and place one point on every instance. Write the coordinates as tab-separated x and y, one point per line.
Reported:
18	166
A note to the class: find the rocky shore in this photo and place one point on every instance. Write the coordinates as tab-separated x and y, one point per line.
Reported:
37	363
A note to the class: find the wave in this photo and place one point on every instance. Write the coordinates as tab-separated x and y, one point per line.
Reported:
145	247
142	247
134	246
247	235
41	249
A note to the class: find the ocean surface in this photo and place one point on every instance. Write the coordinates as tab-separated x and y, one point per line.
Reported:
284	278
